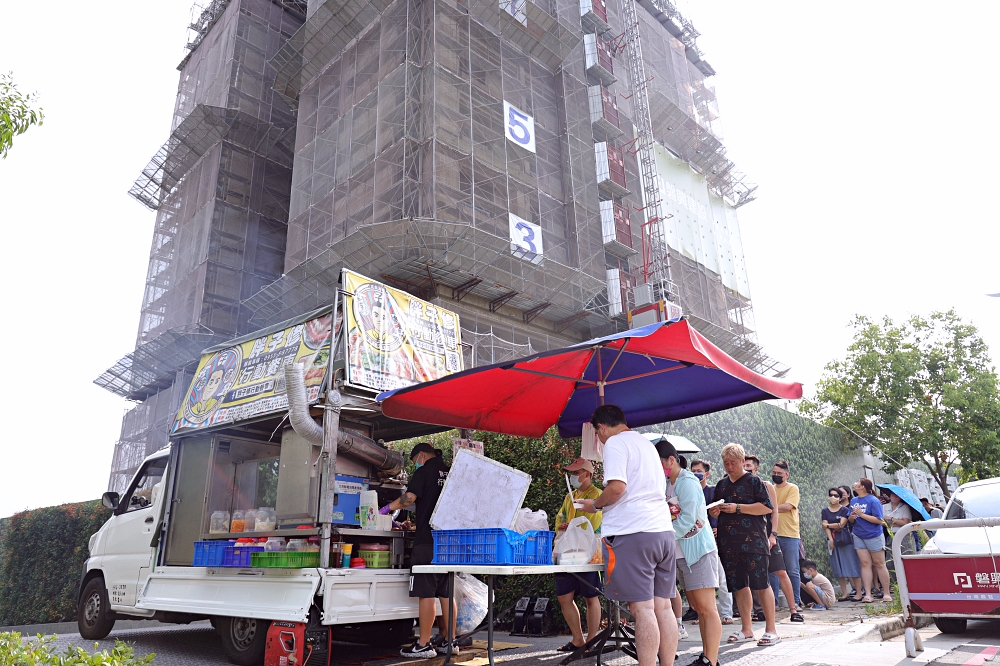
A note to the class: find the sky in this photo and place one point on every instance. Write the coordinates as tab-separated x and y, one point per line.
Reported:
871	131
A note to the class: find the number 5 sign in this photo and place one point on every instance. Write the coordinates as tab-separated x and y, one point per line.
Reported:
520	126
525	239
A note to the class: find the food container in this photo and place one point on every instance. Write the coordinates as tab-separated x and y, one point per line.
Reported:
373	546
238	523
337	555
347	555
274	545
250	520
266	519
312	544
358	563
219	523
296	546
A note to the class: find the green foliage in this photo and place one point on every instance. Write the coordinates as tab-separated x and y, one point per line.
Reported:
15	651
17	112
818	457
41	559
923	391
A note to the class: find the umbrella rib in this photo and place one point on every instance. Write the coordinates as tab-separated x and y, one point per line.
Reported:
615	362
646	374
548	374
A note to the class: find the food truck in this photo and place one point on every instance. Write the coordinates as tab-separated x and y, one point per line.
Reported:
279	438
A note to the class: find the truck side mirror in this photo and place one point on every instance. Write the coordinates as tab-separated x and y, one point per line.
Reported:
110	500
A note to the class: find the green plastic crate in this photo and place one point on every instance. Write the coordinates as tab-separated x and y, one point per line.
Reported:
284	560
376	559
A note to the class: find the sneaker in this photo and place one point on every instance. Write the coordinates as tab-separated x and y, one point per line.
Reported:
418	651
690	616
443	648
436	640
682	632
702	660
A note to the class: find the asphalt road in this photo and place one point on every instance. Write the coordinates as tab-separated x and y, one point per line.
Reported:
812	644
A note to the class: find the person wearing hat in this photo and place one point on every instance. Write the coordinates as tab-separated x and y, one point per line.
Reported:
425	485
588	585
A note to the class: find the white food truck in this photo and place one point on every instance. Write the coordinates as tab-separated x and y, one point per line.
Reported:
284	419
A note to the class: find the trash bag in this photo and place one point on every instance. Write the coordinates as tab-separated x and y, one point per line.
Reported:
577	544
527	520
471	596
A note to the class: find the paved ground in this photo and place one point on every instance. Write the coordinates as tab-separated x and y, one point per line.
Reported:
826	639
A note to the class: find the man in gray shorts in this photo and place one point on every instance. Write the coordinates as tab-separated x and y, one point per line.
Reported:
638	537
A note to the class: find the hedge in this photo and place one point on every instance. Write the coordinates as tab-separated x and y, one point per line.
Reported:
42	552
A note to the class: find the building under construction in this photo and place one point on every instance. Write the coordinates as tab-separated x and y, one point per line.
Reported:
527	164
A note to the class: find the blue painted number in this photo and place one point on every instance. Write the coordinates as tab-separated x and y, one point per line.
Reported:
517	129
528	235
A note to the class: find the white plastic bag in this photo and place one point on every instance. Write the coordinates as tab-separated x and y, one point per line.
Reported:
471	596
577	544
531	520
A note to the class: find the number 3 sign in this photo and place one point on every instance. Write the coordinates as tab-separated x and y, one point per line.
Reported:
520	126
525	239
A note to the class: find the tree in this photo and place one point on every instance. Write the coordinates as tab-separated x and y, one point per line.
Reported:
17	112
923	391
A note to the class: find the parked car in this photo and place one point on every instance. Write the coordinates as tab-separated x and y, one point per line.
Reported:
977	499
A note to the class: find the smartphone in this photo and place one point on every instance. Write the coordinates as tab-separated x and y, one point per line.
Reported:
715	504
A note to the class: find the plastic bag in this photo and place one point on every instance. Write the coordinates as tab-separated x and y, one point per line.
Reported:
577	544
527	519
471	596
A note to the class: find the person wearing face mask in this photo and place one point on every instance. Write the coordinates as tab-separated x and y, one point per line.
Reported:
788	524
568	585
817	586
843	558
425	485
702	470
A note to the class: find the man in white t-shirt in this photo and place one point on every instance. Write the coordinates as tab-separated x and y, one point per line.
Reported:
638	539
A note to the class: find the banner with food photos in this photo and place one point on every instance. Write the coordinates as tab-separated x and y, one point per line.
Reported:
395	339
246	380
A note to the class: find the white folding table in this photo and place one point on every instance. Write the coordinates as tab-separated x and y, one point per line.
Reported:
491	570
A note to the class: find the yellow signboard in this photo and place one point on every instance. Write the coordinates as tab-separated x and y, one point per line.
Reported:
247	379
395	339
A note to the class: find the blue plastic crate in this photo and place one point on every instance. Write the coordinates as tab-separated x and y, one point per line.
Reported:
239	555
209	553
492	546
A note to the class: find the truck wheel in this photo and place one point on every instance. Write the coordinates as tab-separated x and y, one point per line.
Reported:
93	611
391	633
951	625
244	639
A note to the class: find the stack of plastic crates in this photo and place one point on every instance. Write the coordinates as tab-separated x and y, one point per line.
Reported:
492	546
210	553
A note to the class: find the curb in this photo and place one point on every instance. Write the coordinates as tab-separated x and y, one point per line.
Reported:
884	629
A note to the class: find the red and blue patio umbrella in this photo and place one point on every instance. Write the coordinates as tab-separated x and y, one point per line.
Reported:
657	373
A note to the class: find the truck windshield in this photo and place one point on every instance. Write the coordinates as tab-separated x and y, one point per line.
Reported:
975	502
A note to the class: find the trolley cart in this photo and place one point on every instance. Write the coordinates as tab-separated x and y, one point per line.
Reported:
947	585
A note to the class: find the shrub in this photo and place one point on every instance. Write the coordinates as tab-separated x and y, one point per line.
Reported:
15	651
42	552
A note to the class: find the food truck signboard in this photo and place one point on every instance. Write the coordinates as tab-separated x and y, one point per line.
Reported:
395	339
247	379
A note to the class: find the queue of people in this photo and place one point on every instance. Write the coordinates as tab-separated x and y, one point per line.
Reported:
662	525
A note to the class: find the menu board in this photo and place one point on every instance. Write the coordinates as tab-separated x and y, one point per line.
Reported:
247	379
395	339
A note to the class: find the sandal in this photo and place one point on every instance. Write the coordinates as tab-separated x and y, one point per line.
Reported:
727	620
569	647
847	598
738	637
768	639
796	617
867	600
759	616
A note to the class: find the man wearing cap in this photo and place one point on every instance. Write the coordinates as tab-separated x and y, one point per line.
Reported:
425	486
588	585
